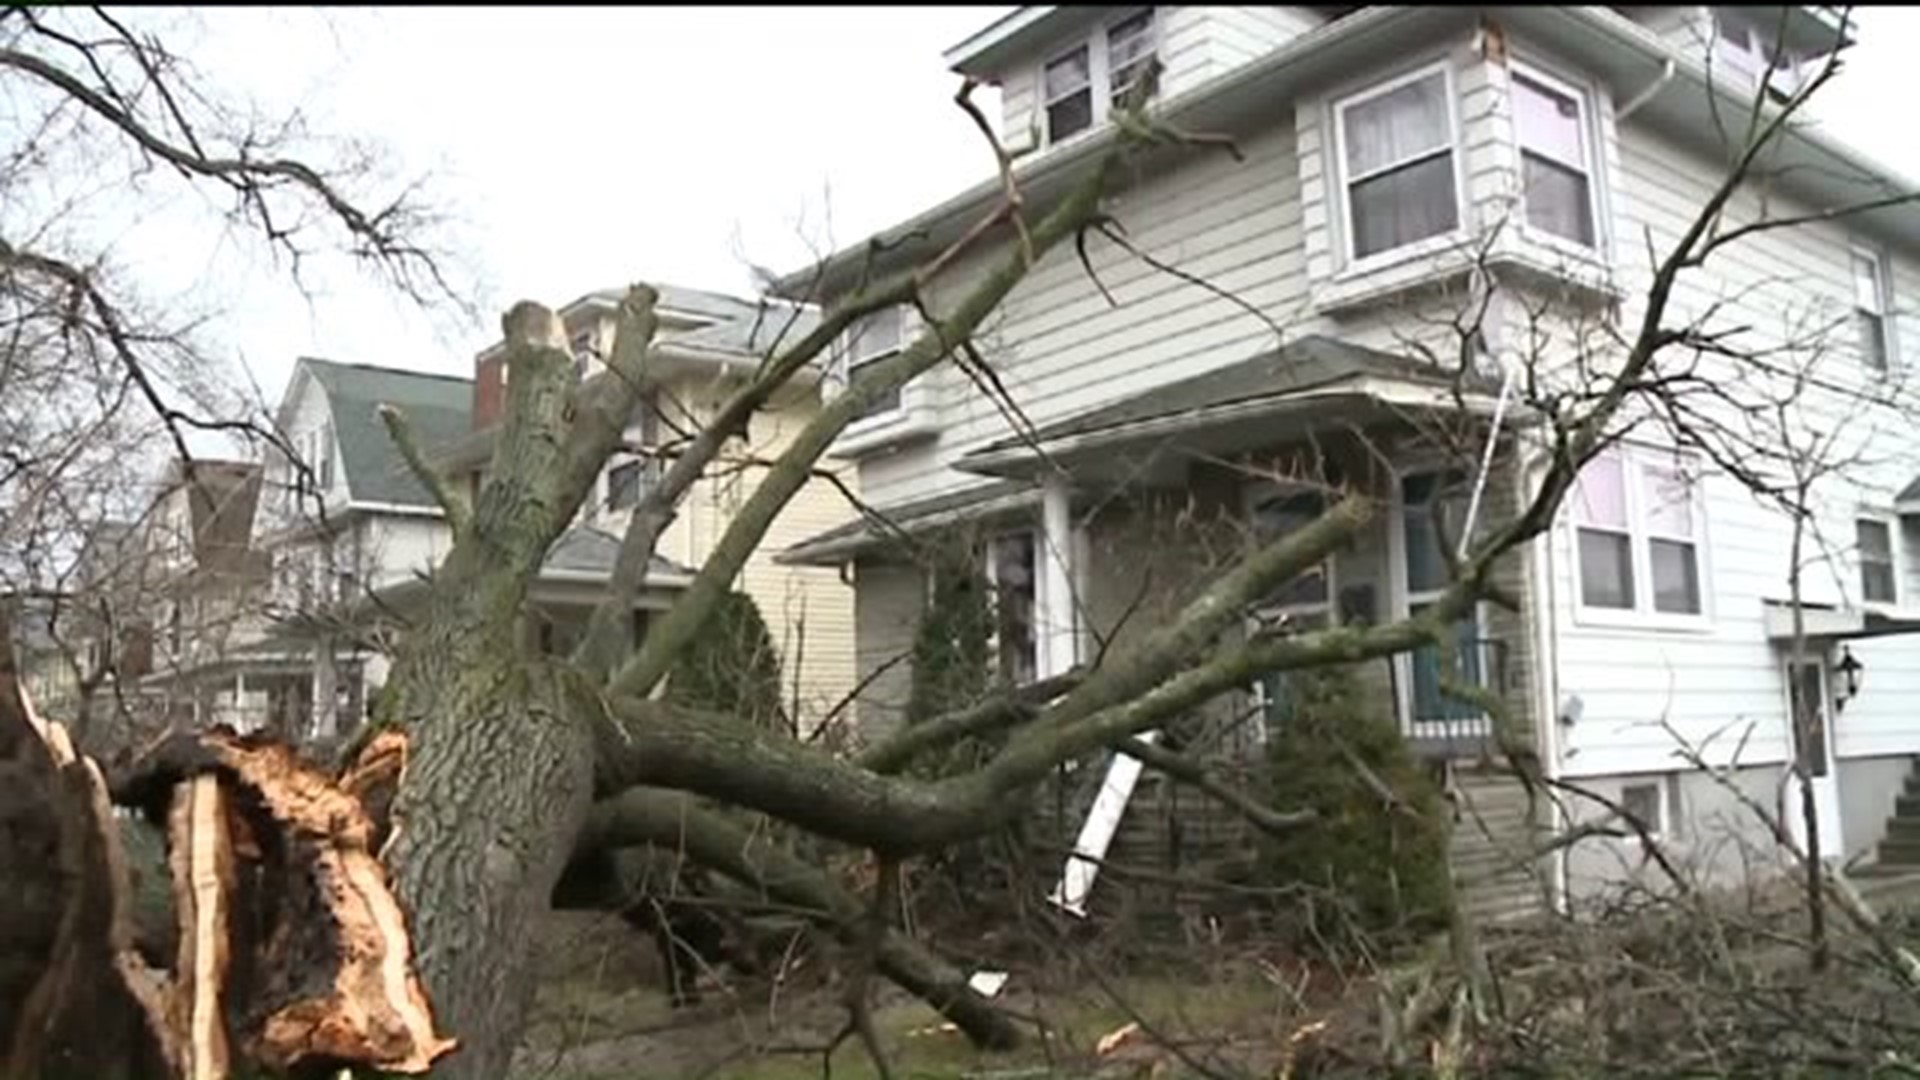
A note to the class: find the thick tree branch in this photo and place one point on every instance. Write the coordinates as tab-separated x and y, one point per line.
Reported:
459	514
673	820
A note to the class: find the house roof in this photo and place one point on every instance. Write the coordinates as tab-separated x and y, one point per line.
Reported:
584	551
1302	364
981	500
439	409
1633	58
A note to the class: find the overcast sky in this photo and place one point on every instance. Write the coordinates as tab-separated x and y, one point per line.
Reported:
583	148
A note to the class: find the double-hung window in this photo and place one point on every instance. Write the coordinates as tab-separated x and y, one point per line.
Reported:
323	454
1397	160
1067	83
878	336
1081	86
1870	309
1873	540
1129	50
1556	168
1637	528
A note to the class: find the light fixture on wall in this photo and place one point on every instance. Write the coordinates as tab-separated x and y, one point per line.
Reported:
1850	669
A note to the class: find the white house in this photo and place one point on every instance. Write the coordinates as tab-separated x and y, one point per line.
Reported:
1394	160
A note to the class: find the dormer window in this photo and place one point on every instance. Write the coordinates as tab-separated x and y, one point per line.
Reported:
1081	86
1129	49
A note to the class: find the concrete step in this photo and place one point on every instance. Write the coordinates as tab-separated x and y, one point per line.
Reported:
1908	805
1903	851
1903	828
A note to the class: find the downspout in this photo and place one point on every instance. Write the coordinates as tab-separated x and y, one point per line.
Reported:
1659	83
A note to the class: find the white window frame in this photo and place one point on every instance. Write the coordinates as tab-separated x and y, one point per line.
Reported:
1264	616
911	417
1099	73
1883	288
1583	99
1343	183
1895	564
859	356
1642	614
323	455
1666	787
1403	596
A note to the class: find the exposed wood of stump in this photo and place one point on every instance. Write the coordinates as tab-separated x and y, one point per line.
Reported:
294	954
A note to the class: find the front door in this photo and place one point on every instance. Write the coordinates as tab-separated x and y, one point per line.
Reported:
1810	710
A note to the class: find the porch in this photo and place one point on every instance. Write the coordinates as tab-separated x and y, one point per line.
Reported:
1095	530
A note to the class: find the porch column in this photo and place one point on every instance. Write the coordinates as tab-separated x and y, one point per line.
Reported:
240	719
1059	615
326	691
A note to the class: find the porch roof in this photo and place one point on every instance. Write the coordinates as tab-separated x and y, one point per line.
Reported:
1908	501
838	544
1826	622
1312	372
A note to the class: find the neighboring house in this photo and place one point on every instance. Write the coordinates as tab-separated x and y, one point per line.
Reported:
155	608
1384	147
706	345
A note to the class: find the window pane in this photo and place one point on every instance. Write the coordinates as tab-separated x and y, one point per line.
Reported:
1606	569
1548	123
1129	46
886	402
1642	801
1423	494
1669	497
1014	575
1556	199
1873	339
1070	116
879	332
1402	206
1875	543
1067	75
1429	702
1676	577
1279	516
1600	494
1867	293
1395	126
1875	540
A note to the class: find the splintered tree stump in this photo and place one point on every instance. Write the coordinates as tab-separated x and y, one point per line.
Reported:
294	955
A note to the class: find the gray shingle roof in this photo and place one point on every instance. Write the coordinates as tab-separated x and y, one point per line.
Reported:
911	517
439	409
586	550
1302	364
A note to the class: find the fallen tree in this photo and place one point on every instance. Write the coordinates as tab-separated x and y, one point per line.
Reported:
503	768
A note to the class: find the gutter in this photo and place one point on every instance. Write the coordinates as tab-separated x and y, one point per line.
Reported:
799	285
1659	83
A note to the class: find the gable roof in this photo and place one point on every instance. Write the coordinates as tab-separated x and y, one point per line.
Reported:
439	408
222	497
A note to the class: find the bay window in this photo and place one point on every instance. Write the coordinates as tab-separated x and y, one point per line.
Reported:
1129	49
1556	169
1396	156
1637	537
